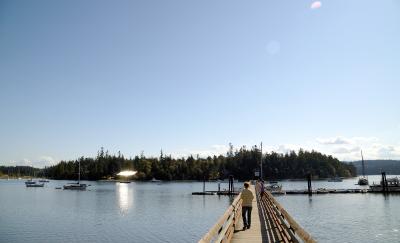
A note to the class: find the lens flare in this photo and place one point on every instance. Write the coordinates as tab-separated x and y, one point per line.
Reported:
127	173
316	5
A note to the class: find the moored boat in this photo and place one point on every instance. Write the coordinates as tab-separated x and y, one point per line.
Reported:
78	185
322	191
274	188
31	183
363	180
155	180
392	184
75	186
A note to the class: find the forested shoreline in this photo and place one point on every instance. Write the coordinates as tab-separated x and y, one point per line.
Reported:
241	163
18	171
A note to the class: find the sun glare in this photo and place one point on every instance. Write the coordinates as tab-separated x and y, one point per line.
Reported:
127	173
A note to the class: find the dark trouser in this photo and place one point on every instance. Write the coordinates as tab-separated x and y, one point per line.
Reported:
246	215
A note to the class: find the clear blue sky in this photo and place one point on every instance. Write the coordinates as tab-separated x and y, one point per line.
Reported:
191	76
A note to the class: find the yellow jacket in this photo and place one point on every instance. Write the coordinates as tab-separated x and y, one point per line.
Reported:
247	197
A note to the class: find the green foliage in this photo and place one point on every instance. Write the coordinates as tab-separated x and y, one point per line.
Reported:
240	163
18	171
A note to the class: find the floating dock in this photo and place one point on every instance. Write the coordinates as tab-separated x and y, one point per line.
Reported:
335	191
230	192
223	193
326	191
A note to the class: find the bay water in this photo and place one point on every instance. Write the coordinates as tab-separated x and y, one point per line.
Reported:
167	212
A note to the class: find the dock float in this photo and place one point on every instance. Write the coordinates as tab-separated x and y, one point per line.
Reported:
336	191
223	193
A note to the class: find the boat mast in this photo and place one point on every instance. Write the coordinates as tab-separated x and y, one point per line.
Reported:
363	167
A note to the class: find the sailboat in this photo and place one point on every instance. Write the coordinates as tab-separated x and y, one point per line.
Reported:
32	183
77	185
362	181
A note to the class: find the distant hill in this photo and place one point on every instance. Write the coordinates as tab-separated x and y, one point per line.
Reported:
375	167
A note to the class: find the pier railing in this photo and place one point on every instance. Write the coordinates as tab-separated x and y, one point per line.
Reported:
280	226
223	230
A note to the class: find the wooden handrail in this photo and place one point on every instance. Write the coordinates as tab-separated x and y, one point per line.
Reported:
224	228
292	224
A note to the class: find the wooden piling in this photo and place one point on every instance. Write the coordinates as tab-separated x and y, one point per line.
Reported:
384	182
231	189
204	184
309	185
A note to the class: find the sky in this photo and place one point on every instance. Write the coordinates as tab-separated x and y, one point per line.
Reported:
190	77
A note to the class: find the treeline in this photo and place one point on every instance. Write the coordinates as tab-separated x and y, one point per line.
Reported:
18	171
241	163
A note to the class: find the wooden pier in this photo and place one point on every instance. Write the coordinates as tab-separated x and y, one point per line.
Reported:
270	223
254	234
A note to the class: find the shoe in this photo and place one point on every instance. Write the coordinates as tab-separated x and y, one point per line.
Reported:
244	228
248	226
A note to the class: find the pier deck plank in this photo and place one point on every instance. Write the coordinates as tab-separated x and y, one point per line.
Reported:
254	234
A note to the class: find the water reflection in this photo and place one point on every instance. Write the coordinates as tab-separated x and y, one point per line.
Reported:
125	197
117	212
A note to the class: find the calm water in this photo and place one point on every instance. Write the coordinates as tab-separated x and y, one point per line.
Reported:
167	212
108	212
345	217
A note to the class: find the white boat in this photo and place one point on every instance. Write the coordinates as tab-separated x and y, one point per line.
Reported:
363	181
31	183
322	191
274	188
78	185
155	180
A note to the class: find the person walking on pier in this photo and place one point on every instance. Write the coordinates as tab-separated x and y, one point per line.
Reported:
247	204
